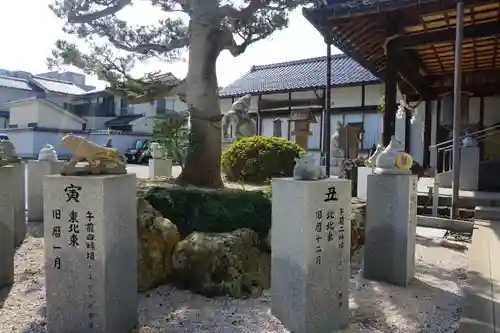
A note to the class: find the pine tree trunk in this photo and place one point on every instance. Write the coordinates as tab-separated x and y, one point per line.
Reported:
202	166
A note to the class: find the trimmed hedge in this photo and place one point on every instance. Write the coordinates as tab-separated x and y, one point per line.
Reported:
192	209
260	158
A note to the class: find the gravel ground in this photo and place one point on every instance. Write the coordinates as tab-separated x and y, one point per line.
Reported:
430	304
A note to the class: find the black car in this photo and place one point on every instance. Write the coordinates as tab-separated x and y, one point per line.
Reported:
138	153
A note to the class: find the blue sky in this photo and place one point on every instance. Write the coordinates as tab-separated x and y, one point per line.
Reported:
29	30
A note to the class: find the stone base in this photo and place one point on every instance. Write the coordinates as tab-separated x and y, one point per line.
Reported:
19	191
160	168
36	171
383	171
390	231
6	226
90	235
310	257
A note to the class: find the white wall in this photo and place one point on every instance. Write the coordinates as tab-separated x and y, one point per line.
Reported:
10	95
148	109
491	110
44	114
97	123
417	134
346	96
143	125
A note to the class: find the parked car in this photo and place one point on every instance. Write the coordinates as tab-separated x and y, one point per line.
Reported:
4	137
137	153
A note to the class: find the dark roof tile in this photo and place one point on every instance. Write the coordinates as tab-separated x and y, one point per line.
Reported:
298	74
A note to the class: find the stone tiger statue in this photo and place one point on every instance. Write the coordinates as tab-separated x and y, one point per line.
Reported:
101	160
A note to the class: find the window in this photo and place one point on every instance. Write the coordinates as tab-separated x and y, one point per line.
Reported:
161	106
13	126
32	124
123	106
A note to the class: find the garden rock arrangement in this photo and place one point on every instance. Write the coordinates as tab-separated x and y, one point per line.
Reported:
216	264
157	237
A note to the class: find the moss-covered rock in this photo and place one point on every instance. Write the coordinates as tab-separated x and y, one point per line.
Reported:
216	264
157	237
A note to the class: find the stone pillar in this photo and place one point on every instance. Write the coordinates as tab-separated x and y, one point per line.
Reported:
160	168
6	225
363	173
36	171
90	234
19	192
390	231
310	259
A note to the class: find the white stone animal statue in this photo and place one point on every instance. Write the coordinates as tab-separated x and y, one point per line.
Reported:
335	148
47	153
8	154
101	160
370	161
386	160
239	118
306	169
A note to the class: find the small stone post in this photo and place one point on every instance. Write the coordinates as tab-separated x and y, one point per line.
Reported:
47	164
90	234
6	225
391	219
310	260
159	165
19	192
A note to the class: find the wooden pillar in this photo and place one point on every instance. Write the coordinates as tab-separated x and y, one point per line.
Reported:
390	105
428	127
457	109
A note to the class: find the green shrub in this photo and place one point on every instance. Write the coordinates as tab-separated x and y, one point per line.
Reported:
260	158
193	209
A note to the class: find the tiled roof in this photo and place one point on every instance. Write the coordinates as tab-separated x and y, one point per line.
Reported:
58	86
123	120
13	82
343	7
298	74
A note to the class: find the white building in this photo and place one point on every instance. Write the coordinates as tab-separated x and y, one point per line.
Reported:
279	88
39	109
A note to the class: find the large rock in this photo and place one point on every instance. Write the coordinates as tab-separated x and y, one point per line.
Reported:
157	237
215	264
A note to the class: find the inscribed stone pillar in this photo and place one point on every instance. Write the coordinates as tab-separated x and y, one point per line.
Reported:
19	192
160	168
36	171
90	234
6	225
390	231
311	254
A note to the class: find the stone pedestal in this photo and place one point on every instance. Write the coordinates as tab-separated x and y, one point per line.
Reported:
160	168
19	192
6	225
36	171
390	231
310	259
90	234
362	182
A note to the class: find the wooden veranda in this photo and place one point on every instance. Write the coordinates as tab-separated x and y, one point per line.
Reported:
425	47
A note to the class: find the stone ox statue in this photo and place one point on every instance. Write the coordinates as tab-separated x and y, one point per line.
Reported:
101	160
239	118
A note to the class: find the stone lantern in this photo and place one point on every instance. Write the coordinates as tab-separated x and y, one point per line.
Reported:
301	120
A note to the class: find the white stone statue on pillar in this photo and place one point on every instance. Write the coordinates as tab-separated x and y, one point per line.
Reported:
159	164
386	160
48	153
370	161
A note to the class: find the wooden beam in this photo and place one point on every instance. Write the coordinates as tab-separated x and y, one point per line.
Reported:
445	35
408	66
266	104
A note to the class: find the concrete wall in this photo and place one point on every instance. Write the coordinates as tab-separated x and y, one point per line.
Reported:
29	141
